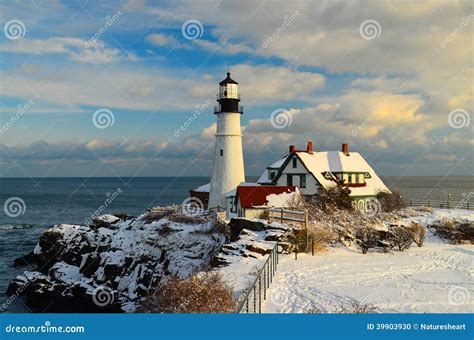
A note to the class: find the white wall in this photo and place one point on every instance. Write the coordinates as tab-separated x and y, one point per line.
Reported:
228	167
311	184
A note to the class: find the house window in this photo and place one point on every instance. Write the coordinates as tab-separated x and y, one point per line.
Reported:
222	152
302	181
272	175
289	180
295	162
349	178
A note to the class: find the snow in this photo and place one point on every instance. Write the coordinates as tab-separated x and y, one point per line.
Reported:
436	278
203	188
107	218
282	200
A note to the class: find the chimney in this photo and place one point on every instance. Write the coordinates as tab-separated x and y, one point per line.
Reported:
345	149
292	148
309	147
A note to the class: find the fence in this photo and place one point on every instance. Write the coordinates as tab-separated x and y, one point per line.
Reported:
448	204
307	243
284	215
252	301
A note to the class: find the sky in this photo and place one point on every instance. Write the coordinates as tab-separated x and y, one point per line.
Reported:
127	88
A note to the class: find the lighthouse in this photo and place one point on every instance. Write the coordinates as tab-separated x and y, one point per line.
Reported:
228	155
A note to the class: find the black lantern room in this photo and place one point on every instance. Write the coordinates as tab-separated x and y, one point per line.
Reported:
228	96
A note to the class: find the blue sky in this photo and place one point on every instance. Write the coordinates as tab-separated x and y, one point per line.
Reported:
393	79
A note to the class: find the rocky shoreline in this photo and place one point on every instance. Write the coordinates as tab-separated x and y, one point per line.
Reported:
112	264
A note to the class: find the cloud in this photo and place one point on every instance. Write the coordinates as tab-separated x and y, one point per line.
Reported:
82	51
163	40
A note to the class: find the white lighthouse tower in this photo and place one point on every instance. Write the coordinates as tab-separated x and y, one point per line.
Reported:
228	156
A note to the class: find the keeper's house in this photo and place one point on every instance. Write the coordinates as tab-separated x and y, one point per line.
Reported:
312	171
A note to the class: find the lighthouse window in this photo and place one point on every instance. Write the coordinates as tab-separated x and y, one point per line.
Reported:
222	152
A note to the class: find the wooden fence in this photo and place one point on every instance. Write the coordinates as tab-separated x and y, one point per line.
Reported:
283	215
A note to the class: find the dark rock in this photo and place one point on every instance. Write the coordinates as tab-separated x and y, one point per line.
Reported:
90	264
27	260
238	224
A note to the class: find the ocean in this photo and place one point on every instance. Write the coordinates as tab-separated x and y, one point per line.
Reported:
51	201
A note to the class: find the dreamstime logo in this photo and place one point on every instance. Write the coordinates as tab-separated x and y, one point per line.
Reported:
109	21
459	118
199	110
369	119
14	29
370	29
192	206
108	201
458	30
458	296
14	207
103	118
280	119
281	297
372	207
192	29
288	21
22	109
103	296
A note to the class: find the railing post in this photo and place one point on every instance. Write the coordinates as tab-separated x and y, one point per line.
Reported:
296	249
312	245
307	245
260	294
265	283
254	299
281	215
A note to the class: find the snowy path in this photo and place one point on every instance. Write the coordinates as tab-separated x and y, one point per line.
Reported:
435	278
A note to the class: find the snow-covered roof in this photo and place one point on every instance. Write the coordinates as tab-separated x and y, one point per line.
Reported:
337	161
203	188
233	192
265	178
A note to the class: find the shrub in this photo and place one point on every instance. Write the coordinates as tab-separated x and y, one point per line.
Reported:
322	236
401	237
417	233
334	197
367	237
201	293
390	201
153	216
356	307
351	307
187	219
453	231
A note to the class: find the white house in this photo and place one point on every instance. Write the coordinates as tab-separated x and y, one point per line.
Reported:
312	171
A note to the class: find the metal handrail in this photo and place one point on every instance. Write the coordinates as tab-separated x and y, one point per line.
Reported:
267	277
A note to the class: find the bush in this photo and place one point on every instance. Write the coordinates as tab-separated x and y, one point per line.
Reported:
367	237
201	293
322	236
401	237
453	231
417	233
351	307
390	201
335	197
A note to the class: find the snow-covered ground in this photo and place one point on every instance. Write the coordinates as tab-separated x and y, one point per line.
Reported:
436	278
